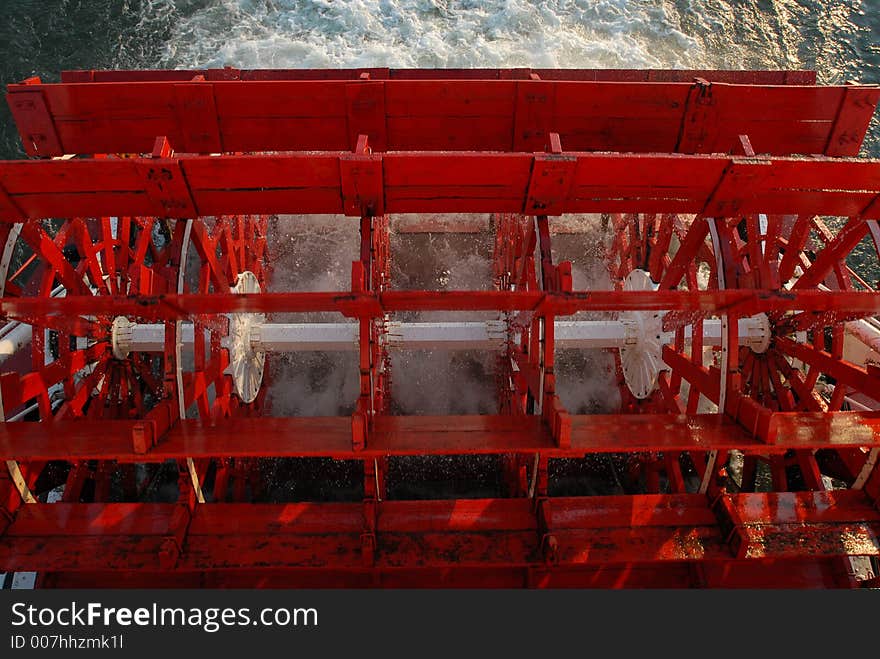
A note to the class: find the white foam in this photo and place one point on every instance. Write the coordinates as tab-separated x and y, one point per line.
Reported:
432	33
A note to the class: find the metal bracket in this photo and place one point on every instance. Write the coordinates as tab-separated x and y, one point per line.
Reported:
549	542
550	182
143	437
856	110
166	186
699	119
358	431
35	124
361	176
196	114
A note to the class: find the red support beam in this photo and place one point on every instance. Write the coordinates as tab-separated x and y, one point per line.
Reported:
173	306
433	534
805	573
324	182
154	441
205	115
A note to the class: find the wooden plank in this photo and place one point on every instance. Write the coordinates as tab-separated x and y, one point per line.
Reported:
656	432
95	552
759	77
449	133
478	532
471	99
437	435
442	182
85	519
285	133
408	435
287	518
279	98
318	112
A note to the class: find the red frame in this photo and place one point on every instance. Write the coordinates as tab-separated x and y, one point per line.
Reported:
714	537
359	184
689	112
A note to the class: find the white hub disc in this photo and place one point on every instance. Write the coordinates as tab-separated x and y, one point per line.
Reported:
245	363
642	356
120	337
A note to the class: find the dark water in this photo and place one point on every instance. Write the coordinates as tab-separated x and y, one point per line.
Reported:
42	37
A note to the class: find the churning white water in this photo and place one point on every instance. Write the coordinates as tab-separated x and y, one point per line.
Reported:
833	37
432	33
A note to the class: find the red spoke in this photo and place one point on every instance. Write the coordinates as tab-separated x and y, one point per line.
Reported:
791	257
83	390
774	228
143	370
87	250
784	397
807	399
844	372
659	259
670	395
833	253
206	247
699	377
777	473
124	244
76	479
108	244
228	246
98	403
686	253
809	470
34	384
142	245
42	244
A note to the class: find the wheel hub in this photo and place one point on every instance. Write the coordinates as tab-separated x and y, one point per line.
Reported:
641	356
245	363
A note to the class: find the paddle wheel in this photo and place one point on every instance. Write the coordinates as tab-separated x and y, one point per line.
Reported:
728	325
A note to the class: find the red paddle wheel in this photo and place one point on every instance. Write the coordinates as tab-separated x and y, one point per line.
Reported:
740	426
73	372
